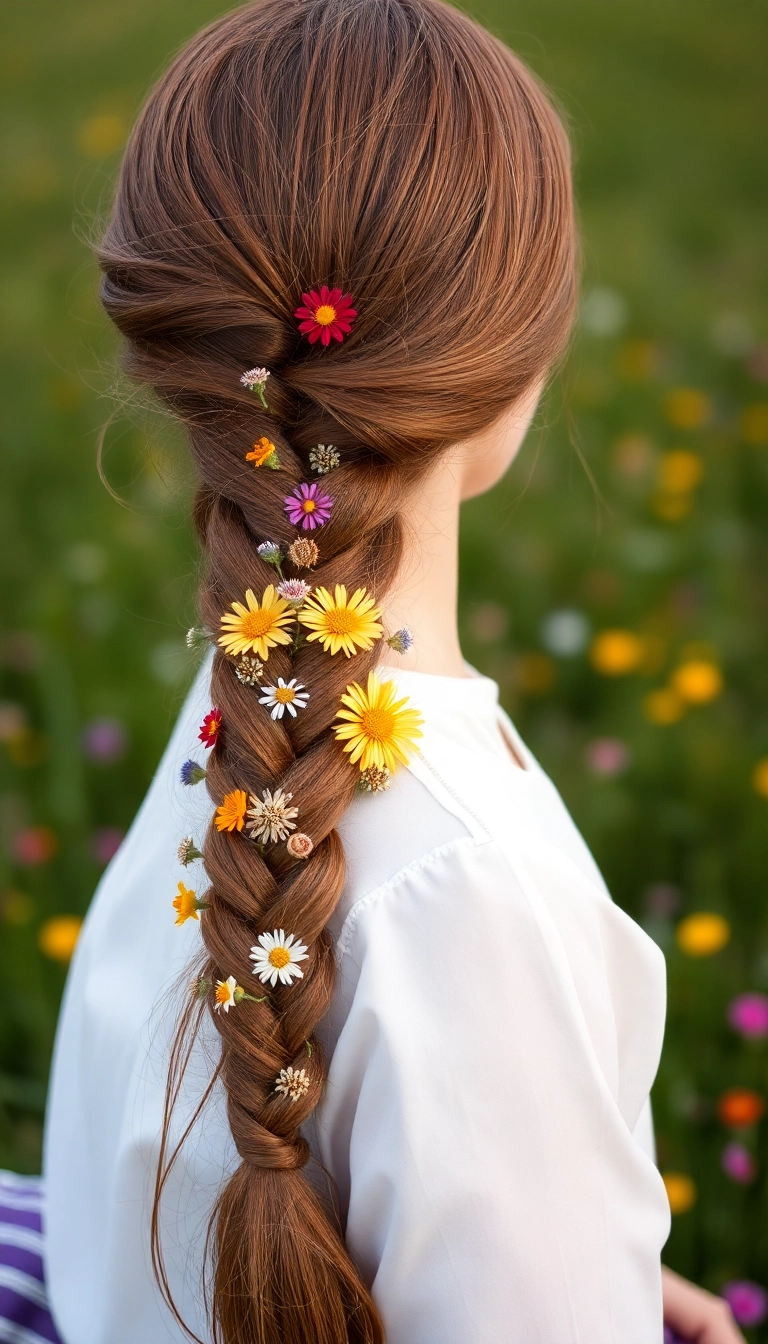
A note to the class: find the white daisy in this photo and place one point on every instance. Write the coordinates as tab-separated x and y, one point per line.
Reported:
290	695
270	816
276	956
292	1083
225	994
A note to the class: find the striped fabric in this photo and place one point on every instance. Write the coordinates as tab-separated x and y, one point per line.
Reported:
24	1314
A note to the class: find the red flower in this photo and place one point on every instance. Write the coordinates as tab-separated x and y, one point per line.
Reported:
325	315
211	727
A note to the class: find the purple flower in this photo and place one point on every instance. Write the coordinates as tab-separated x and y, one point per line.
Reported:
748	1301
104	740
738	1163
402	640
607	756
748	1014
105	843
307	507
191	772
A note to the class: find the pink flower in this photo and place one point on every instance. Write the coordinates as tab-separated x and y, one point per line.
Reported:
325	314
748	1301
748	1014
104	740
607	756
105	843
34	845
308	507
738	1163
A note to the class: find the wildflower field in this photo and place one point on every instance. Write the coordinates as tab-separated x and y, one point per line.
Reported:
616	584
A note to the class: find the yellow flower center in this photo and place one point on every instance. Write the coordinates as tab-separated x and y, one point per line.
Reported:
308	505
257	623
279	958
378	723
325	314
341	621
222	992
284	695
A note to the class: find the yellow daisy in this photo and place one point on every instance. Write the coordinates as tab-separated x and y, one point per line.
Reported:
256	627
230	816
341	624
378	729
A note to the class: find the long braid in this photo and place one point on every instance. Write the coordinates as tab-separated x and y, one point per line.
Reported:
392	148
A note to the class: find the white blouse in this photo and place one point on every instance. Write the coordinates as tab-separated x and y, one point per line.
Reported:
494	1036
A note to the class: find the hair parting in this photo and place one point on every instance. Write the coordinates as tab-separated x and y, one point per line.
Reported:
393	151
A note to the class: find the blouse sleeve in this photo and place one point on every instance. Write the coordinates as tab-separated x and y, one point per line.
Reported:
492	1187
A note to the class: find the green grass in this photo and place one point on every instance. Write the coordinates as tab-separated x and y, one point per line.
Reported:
667	108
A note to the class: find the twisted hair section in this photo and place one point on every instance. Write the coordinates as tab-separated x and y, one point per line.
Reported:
396	150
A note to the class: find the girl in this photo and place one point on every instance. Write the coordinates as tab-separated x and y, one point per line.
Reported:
407	1092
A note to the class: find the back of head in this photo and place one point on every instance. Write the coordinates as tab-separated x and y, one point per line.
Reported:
394	149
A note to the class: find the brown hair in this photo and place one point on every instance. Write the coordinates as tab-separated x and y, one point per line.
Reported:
396	149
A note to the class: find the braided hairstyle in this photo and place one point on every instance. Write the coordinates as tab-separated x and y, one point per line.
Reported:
397	150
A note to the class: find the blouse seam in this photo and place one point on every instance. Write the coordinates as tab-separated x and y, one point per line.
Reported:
410	870
449	789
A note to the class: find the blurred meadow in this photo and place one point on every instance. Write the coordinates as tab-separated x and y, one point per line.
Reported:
623	615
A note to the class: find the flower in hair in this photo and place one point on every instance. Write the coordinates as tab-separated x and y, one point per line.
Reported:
308	507
292	1083
342	624
187	905
270	816
275	957
323	458
188	851
257	626
401	641
375	780
325	314
248	670
210	728
303	553
264	451
199	986
377	728
225	994
270	551
286	695
198	636
230	816
295	591
299	846
256	381
228	993
191	772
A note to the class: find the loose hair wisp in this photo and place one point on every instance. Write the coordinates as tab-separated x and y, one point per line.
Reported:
393	151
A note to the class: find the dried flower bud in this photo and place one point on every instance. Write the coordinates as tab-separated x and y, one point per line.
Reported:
248	670
198	637
323	458
375	780
188	851
299	846
304	553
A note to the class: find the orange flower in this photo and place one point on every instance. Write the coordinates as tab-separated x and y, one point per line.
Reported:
739	1106
681	1191
231	815
616	652
263	450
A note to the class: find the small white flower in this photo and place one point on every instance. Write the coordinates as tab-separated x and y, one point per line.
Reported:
271	817
276	956
290	695
292	1083
225	994
252	377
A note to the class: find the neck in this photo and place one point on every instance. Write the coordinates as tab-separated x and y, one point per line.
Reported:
424	595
